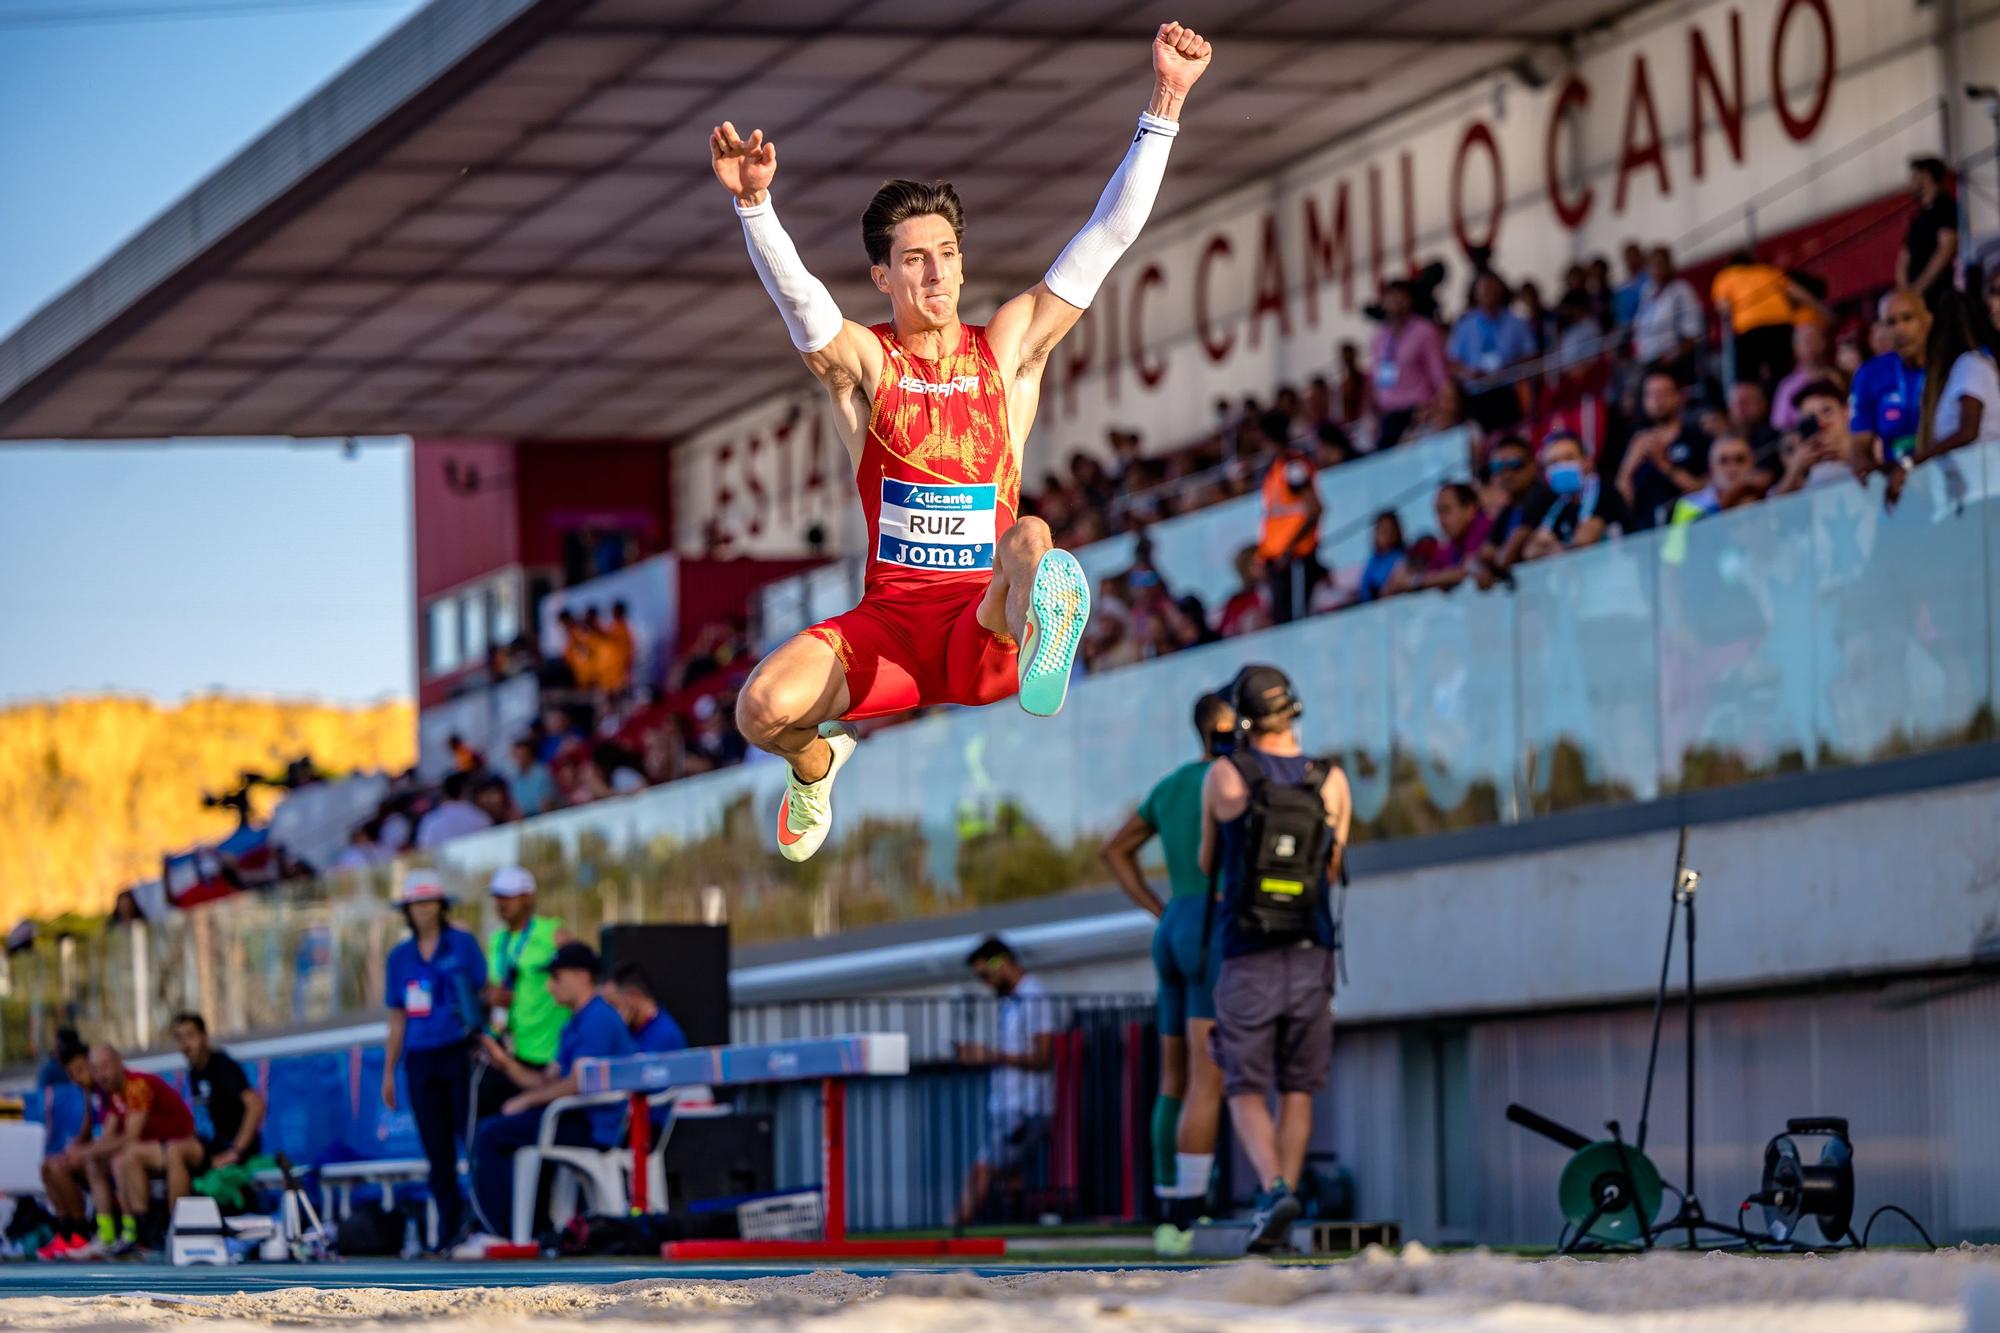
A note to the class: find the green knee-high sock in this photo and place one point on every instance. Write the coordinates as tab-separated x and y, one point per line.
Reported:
1166	1127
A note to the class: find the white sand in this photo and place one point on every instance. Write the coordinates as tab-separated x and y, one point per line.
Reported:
1417	1291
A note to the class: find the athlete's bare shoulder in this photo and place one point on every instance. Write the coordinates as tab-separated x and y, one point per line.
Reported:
851	363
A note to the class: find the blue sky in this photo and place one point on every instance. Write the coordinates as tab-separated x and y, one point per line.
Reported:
264	566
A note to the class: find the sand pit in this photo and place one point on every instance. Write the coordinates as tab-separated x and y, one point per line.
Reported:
1415	1291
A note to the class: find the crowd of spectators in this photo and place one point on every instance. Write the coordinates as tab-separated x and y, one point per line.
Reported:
1632	403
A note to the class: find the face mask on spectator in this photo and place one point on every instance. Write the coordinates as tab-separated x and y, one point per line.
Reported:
1296	475
1565	478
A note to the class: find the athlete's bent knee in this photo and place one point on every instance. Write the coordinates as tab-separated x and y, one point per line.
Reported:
1029	536
769	707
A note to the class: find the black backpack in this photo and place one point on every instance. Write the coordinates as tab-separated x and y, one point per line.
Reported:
1286	848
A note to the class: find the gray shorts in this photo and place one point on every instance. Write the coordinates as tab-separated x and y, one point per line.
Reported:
1274	1020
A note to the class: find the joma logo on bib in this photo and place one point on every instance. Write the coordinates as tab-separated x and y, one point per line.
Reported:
936	527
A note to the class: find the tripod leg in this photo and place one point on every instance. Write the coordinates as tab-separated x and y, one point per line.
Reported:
1693	1205
1583	1228
1631	1187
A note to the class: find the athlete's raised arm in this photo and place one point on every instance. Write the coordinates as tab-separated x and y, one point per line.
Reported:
843	354
1025	329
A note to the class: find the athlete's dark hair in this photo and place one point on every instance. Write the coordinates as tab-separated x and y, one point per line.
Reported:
192	1018
899	201
1932	167
1208	710
632	977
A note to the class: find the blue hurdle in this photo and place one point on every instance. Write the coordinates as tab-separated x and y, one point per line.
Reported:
833	1060
856	1056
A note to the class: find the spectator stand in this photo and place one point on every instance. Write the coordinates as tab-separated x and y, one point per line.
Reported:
1185	550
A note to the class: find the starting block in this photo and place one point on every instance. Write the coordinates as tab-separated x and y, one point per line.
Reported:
1226	1239
829	1060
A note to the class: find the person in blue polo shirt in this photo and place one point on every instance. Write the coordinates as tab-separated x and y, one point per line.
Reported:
433	980
1886	405
594	1030
652	1027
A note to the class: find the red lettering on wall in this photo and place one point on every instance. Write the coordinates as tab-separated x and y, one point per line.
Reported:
724	454
1408	163
1270	298
1571	212
753	482
1217	348
1480	134
1079	352
1328	254
1633	152
1800	127
1149	371
815	454
1375	224
786	510
1704	79
1109	305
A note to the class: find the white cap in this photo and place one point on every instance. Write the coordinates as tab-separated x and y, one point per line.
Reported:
422	886
512	882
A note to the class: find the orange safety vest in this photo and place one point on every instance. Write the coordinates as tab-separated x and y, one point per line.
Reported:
1288	529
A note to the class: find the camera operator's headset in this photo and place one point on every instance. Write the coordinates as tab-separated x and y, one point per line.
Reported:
1253	699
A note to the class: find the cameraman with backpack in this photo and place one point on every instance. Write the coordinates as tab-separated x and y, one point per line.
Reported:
1274	826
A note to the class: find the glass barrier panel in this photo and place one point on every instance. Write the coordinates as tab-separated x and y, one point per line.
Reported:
1989	462
1342	670
1451	661
1589	676
1736	645
1903	605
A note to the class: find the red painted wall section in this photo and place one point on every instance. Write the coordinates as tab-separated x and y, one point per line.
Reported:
712	590
568	486
463	498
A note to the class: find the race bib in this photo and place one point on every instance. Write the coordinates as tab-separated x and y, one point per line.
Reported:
936	527
417	999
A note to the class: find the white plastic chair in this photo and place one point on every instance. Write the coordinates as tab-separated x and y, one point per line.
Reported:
603	1174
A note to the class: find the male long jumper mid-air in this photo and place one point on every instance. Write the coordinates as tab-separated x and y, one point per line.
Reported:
964	602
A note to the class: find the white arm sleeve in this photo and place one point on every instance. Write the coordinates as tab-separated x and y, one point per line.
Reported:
810	314
1121	211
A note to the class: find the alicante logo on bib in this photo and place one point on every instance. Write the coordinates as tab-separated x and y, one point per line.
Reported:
948	528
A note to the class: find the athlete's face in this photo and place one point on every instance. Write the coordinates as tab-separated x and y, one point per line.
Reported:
923	274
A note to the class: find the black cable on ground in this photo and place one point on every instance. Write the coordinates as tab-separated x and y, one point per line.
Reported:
1900	1212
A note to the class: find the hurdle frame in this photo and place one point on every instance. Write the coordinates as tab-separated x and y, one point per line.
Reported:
858	1055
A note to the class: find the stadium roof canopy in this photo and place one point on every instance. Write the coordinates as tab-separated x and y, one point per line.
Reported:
500	219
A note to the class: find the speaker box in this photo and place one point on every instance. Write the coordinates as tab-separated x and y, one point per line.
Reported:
722	1158
688	969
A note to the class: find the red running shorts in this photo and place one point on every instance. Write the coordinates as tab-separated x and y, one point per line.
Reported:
909	648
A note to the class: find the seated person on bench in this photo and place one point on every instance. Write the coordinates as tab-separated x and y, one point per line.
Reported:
594	1030
652	1027
81	1168
142	1123
228	1111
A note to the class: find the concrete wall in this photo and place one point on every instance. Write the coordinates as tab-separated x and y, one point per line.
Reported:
1886	884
